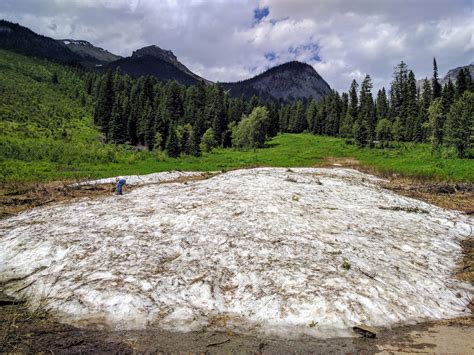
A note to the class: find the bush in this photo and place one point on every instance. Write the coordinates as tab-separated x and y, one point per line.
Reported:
208	141
251	132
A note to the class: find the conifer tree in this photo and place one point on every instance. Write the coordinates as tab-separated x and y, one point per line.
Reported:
461	83
398	91
437	120
421	132
353	102
381	104
195	143
297	123
460	124
311	112
411	108
118	129
435	85
447	96
365	128
105	102
284	118
172	143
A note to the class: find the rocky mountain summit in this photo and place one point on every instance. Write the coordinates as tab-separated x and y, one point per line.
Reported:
166	56
285	82
87	51
452	75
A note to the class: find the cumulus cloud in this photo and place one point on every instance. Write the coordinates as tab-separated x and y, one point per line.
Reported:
235	39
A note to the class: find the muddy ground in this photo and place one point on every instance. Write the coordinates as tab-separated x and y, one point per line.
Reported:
24	331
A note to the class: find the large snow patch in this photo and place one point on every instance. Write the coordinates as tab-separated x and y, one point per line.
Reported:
273	250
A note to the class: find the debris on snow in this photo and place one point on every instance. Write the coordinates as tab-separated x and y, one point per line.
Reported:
365	331
236	252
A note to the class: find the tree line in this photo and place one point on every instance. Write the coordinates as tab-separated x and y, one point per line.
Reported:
188	120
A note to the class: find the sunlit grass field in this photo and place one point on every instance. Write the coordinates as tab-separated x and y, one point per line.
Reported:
287	150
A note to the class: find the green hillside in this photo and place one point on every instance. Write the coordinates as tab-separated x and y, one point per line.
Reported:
45	120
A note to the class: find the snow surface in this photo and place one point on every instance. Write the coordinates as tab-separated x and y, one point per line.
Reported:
248	250
146	179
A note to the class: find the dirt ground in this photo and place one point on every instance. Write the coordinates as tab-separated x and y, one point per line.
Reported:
25	331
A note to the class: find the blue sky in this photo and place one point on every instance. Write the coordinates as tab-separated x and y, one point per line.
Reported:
260	13
235	39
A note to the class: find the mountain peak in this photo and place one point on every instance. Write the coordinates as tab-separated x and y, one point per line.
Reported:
285	82
89	52
156	52
167	56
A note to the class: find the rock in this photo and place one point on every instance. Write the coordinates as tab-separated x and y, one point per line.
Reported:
365	331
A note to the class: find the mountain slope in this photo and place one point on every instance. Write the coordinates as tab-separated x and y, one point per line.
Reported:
452	74
87	51
22	40
162	64
285	82
46	127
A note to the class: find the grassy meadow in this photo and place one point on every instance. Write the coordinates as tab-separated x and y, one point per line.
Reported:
47	133
287	150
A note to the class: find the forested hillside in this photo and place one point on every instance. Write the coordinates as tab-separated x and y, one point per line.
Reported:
45	118
148	112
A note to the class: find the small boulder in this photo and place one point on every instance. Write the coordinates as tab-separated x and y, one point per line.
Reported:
365	331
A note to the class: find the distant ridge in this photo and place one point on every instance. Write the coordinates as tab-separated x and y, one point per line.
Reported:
87	51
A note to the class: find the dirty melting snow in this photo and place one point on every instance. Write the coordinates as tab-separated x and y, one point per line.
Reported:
248	250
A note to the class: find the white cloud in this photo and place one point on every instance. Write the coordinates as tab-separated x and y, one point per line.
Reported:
222	41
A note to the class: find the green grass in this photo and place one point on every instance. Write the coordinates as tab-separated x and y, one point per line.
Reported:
46	133
287	150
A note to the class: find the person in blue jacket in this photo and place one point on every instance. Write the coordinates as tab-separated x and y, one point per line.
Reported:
120	181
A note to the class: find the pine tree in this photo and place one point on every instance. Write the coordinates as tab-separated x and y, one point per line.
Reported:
284	118
437	120
398	91
460	124
412	122
311	112
150	132
353	101
195	143
461	83
447	96
435	85
118	124
172	143
365	128
381	106
297	123
184	133
105	102
133	115
421	132
273	119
